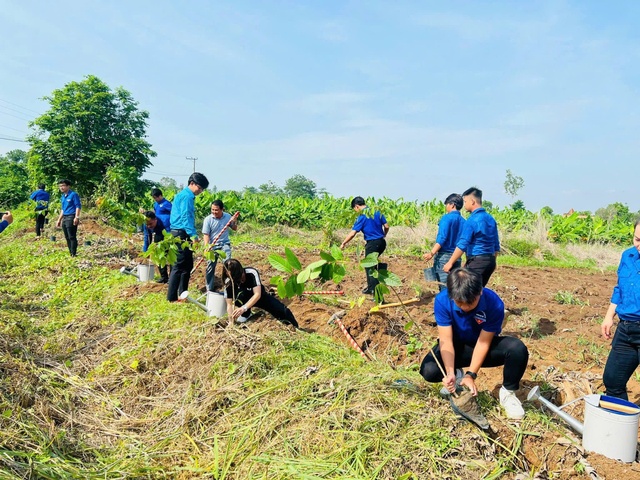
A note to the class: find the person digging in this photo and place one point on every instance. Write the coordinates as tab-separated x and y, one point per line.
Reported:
469	319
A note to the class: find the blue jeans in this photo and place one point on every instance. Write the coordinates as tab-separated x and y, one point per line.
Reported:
439	261
210	274
623	359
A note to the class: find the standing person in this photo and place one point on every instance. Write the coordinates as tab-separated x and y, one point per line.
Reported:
211	227
469	319
154	233
243	289
183	226
374	227
69	215
162	208
449	230
41	197
479	238
625	302
7	219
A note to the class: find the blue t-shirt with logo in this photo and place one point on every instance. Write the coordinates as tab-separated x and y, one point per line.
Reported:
488	316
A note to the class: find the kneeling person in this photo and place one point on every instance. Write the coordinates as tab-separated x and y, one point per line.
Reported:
469	319
154	233
244	289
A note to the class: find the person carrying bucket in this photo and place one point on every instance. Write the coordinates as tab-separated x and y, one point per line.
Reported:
374	227
469	319
449	230
625	303
213	225
244	290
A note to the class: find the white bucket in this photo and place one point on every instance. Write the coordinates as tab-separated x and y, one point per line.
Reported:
611	433
216	304
145	273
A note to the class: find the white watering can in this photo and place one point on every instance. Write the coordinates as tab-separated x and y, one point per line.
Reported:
610	424
216	305
145	273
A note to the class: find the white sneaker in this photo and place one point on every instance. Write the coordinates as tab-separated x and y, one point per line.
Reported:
511	404
444	393
242	319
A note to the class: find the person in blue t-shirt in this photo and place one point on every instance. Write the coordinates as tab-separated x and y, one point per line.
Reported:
469	319
69	215
625	302
374	227
154	233
162	208
479	238
449	230
183	226
7	219
41	197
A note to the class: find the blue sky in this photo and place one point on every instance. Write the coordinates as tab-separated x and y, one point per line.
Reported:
400	99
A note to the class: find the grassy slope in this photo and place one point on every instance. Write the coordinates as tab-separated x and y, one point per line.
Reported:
97	381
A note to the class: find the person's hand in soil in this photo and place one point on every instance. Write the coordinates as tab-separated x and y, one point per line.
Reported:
470	384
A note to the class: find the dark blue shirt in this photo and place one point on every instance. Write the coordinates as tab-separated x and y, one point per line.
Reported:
70	201
479	234
488	316
41	198
449	230
149	237
626	294
371	227
3	224
163	212
183	214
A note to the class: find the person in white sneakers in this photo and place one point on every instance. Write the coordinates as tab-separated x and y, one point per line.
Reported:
244	290
469	319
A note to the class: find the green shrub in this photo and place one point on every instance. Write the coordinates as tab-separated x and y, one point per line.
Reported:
520	248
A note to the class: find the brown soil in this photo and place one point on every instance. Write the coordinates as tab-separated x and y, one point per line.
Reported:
566	349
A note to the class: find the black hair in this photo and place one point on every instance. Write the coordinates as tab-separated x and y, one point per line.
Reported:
218	203
150	215
41	186
357	201
156	192
456	200
232	269
474	192
464	285
637	222
199	179
65	181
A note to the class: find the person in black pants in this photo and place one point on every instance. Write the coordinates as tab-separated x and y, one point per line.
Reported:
374	227
41	197
183	226
154	233
69	215
469	319
244	290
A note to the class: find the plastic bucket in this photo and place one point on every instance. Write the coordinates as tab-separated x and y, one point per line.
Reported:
216	304
430	274
145	273
611	433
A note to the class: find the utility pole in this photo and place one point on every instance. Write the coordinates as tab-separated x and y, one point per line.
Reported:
194	162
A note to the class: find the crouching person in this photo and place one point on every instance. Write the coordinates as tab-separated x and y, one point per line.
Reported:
469	319
244	290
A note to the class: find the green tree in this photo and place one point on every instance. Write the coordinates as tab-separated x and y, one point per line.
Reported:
513	184
300	186
168	182
615	211
14	187
88	130
270	188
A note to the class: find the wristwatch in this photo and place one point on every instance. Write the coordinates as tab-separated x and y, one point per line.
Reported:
469	373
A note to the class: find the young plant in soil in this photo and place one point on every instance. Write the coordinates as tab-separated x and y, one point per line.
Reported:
329	267
165	252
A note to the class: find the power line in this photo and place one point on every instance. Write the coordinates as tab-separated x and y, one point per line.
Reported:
11	128
15	116
12	139
19	106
